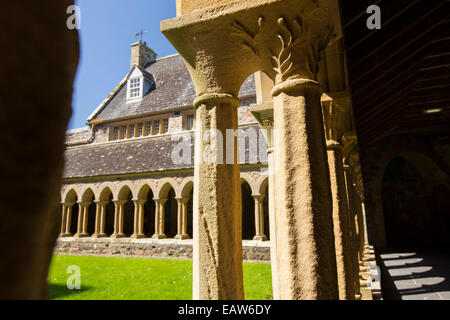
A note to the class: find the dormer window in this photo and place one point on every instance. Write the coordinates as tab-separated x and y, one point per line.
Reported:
139	84
135	88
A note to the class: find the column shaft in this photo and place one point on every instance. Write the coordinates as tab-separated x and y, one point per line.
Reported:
69	219
63	220
342	235
217	238
354	240
305	239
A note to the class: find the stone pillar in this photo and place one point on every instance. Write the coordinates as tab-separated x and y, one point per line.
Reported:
259	218
82	220
306	252
138	225
217	245
159	219
341	222
118	219
268	125
100	219
63	219
69	219
353	228
182	219
284	39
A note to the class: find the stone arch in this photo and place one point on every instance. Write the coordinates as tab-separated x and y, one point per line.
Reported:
187	192
186	188
263	186
264	191
143	191
165	186
88	195
146	193
418	154
167	191
125	194
104	191
106	195
70	196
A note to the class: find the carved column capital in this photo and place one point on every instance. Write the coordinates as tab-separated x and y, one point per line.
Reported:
336	115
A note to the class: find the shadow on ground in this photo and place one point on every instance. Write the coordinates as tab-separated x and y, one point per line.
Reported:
415	276
58	291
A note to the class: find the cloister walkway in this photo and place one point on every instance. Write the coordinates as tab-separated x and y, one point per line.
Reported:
415	276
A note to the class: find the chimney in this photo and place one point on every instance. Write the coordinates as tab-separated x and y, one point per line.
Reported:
141	55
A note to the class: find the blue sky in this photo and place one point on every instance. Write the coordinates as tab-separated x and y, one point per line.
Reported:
107	31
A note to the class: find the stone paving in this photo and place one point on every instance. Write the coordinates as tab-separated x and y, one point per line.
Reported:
414	276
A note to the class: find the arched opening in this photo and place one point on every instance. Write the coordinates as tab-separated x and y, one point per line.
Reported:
149	214
190	210
248	212
106	195
128	211
88	197
188	193
265	194
72	197
170	214
416	211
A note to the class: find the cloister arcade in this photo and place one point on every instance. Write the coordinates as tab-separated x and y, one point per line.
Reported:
157	209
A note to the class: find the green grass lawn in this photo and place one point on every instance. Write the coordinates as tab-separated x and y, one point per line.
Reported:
105	278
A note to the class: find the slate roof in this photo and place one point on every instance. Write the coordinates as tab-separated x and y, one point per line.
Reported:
128	156
150	154
173	88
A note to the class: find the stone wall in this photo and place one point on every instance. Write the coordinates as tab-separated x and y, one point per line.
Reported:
166	248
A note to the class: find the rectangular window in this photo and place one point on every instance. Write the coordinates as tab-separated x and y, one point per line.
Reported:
135	88
140	127
116	133
131	130
165	126
190	122
149	129
124	133
157	124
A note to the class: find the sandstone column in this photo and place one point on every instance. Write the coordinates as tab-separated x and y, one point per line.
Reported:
268	125
69	219
341	222
159	219
354	238
305	239
182	219
217	224
222	47
138	228
82	220
100	219
63	219
118	219
259	218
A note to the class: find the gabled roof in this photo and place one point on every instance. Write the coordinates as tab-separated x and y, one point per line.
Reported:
173	88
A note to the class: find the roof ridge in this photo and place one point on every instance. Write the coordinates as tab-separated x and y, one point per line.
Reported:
167	57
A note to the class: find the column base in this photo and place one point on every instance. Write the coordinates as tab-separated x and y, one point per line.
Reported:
65	235
182	236
260	238
118	235
137	236
81	235
99	235
159	236
358	296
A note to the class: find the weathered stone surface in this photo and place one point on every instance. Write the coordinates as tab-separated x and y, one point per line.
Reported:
182	249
